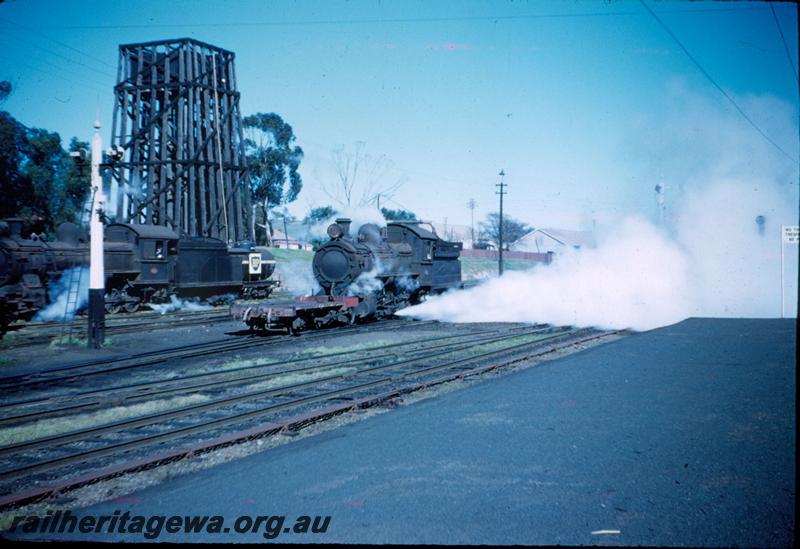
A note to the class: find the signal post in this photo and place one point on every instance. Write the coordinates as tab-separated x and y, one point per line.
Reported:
97	312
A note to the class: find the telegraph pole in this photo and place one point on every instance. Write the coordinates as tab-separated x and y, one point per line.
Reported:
471	205
501	192
96	332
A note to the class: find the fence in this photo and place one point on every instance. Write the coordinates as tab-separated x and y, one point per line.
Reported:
492	254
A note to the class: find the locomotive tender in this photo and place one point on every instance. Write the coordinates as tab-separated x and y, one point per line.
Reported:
368	275
143	264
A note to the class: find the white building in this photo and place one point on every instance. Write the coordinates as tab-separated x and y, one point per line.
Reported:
281	240
554	240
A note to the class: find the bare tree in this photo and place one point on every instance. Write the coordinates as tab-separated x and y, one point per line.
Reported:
513	230
361	178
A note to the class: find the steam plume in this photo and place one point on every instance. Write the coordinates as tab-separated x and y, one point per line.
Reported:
58	294
637	279
712	258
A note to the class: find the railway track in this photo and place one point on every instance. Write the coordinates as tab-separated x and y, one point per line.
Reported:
38	333
240	404
71	375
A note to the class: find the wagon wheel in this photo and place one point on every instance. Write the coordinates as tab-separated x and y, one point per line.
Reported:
131	306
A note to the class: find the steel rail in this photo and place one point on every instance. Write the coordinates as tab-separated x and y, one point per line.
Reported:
158	417
43	332
180	352
137	389
294	423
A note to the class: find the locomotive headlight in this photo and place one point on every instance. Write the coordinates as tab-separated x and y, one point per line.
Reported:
335	231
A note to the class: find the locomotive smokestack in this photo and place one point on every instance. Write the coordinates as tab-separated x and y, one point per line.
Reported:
344	222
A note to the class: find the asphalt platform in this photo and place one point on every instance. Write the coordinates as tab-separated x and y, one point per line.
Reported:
682	436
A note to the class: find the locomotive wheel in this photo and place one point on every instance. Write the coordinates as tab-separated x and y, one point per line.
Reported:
112	303
131	306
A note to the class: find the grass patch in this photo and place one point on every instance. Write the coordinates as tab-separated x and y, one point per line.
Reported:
348	348
473	268
55	426
73	341
8	339
302	377
290	255
240	363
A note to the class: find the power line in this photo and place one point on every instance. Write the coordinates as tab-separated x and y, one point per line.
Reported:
393	201
714	83
386	21
51	52
783	39
83	83
62	44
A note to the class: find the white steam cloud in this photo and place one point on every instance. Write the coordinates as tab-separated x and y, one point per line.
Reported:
58	293
296	277
637	279
735	263
718	255
177	304
358	216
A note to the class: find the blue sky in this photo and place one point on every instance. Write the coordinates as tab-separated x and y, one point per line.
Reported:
585	105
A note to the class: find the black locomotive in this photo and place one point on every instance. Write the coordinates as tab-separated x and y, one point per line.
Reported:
143	264
369	275
149	263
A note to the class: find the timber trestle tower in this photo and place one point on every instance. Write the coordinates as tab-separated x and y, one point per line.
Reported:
177	137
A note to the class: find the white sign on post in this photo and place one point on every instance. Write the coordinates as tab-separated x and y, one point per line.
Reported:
255	263
791	234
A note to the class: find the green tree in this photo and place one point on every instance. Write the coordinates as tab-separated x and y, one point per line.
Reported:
398	215
78	181
321	213
513	230
38	179
313	217
273	163
5	90
15	188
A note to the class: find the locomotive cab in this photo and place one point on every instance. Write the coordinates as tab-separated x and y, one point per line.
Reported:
145	252
435	260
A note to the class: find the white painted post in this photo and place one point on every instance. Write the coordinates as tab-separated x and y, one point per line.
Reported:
96	270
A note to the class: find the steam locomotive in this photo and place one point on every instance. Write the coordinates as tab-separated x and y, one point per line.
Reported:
143	264
368	275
